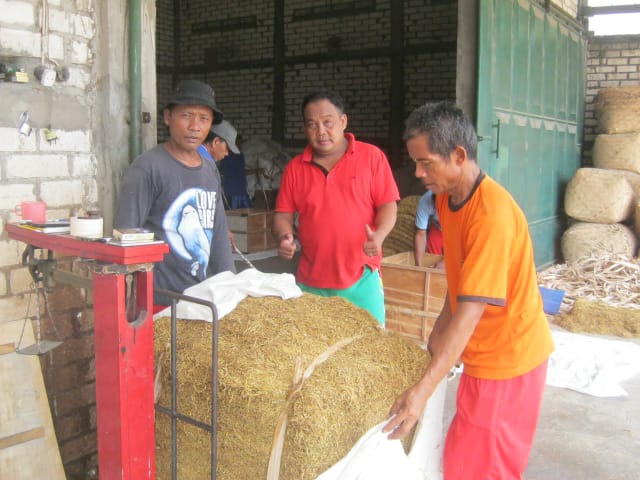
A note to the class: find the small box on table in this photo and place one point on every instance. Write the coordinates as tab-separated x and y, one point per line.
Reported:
413	296
251	229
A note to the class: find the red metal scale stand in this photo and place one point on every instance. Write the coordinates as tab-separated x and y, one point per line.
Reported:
123	349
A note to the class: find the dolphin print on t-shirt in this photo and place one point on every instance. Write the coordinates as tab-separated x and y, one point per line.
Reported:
188	226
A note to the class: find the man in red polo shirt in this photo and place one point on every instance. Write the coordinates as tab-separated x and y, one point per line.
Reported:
345	196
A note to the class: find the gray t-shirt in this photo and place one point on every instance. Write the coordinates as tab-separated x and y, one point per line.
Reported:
183	206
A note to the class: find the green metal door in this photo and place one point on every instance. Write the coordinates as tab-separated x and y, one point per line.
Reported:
530	110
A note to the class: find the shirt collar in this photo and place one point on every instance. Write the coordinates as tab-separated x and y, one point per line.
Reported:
307	154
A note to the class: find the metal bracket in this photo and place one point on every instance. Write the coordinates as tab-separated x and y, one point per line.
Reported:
40	269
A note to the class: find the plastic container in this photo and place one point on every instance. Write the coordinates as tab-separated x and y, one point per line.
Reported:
551	300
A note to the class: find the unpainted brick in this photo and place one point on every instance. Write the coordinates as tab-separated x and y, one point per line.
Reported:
13	308
79	447
37	166
71	400
72	350
11	142
20	280
12	194
71	425
65	297
19	42
59	21
617	61
17	13
62	378
55	326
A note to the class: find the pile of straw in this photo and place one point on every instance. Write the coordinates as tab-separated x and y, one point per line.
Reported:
602	319
261	342
401	237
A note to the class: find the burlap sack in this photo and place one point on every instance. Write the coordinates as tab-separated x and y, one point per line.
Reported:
599	196
634	180
618	151
617	109
592	239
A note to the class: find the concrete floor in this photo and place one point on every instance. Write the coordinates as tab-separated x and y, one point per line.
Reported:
579	437
585	437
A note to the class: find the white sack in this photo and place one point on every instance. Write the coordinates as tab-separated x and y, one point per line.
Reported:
375	457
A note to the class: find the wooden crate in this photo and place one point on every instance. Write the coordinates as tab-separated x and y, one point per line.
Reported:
251	228
413	296
254	241
246	220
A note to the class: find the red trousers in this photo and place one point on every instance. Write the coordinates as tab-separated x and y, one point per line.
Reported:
491	434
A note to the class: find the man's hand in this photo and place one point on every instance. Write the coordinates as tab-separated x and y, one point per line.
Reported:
372	246
406	411
287	246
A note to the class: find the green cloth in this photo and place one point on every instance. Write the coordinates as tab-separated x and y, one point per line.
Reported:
366	293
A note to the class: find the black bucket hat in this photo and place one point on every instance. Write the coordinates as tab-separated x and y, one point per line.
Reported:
195	92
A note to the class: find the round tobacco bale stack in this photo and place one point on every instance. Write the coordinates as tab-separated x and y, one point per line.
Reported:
618	109
618	151
400	239
259	344
594	239
599	196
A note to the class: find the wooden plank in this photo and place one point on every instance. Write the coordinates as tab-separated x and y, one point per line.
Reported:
24	408
21	437
7	348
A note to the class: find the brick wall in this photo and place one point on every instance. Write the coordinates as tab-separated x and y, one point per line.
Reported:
63	174
611	62
346	46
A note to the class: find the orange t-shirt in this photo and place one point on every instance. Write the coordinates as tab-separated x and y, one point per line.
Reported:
489	258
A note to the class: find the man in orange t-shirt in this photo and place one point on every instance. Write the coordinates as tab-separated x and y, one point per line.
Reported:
492	318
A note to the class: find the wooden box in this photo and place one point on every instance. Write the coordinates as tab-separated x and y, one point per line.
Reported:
413	296
251	229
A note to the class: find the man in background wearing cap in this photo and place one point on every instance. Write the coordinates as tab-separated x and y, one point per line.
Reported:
220	144
174	192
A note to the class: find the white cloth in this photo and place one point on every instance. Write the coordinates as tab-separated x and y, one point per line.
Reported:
592	365
375	457
226	290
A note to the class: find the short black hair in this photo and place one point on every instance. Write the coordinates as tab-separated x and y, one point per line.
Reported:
335	99
446	125
210	137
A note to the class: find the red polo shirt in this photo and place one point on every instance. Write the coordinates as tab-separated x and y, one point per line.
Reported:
333	211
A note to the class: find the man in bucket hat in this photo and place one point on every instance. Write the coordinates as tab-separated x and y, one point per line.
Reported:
174	192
